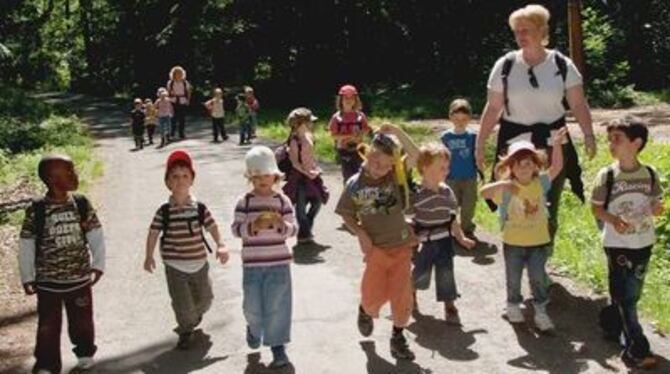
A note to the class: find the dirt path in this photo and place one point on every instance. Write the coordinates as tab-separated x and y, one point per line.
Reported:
658	117
134	318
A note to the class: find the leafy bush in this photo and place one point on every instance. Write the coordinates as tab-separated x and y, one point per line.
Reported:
19	136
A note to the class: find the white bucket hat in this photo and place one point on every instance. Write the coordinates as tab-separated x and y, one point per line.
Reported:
520	145
260	160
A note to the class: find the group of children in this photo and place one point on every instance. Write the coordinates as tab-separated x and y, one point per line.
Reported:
374	204
148	115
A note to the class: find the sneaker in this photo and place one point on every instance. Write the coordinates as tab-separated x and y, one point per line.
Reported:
185	341
85	363
307	240
514	314
365	323
542	320
415	306
279	357
451	315
43	371
252	341
400	349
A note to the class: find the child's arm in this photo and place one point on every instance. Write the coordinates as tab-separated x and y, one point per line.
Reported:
96	243
600	213
408	144
657	208
221	250
460	236
557	153
288	225
241	226
295	158
149	263
489	190
363	237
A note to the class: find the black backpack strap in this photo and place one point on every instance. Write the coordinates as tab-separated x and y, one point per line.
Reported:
506	69
609	183
165	219
83	208
201	221
562	65
39	220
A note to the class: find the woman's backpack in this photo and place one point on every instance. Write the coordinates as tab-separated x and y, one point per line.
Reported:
282	155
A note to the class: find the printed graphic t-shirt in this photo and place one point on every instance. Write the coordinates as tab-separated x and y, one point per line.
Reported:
462	148
378	205
526	218
631	198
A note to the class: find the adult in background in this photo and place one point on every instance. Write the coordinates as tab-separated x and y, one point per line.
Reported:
529	92
179	91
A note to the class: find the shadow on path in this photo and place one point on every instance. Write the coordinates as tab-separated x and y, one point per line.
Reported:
378	365
169	360
451	342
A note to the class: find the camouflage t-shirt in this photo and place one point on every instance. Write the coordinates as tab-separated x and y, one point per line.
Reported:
631	198
378	204
62	255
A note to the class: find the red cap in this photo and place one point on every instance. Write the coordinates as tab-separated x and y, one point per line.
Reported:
348	90
179	155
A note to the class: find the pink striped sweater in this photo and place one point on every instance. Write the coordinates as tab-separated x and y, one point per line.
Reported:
267	247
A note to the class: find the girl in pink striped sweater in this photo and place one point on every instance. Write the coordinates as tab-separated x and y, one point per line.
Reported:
264	219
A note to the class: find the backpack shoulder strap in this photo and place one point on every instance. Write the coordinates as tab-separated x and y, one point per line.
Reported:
562	66
39	220
201	222
506	69
165	216
281	203
247	200
83	207
652	176
609	183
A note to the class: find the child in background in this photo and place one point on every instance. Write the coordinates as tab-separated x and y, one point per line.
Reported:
252	104
304	185
521	196
462	169
626	196
61	257
264	220
183	247
164	109
436	224
150	119
372	206
137	123
215	108
348	126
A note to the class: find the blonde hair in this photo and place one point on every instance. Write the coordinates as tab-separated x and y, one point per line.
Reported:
248	89
217	90
358	105
176	69
429	153
503	169
161	91
460	106
535	14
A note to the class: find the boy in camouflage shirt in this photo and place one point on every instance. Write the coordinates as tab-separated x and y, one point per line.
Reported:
61	256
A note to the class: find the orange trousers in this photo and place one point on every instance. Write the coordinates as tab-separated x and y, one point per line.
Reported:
388	277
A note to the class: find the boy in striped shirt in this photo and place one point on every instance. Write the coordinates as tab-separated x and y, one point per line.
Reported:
183	247
435	210
264	219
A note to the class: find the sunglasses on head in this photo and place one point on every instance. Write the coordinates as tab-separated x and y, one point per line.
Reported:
384	143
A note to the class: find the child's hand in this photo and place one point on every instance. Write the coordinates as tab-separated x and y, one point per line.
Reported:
95	276
620	225
560	136
29	288
467	243
222	254
149	264
657	208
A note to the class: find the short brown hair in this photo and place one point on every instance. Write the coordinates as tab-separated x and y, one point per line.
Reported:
460	106
633	127
358	106
429	152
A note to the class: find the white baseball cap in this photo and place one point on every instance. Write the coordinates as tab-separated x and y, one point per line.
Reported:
520	145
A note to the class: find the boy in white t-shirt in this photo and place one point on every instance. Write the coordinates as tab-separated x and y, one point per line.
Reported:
626	196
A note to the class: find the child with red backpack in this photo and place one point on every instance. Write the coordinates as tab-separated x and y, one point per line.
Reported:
348	126
183	247
61	257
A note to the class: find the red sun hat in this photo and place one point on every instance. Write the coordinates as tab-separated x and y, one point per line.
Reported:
179	155
348	90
